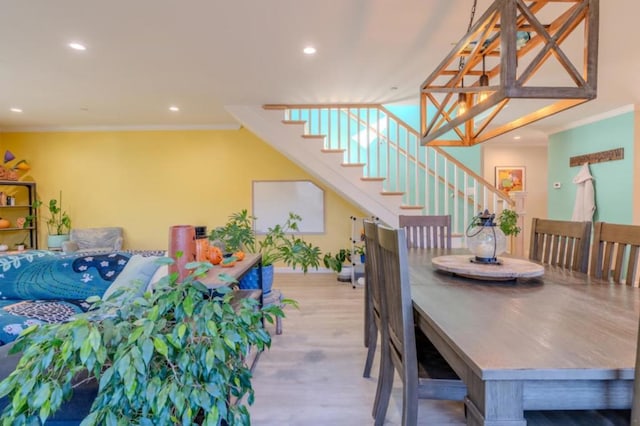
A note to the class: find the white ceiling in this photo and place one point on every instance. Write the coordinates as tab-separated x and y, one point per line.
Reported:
145	55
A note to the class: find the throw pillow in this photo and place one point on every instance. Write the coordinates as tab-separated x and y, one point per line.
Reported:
136	275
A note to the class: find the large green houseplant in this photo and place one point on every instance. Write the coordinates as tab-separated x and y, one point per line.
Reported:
172	356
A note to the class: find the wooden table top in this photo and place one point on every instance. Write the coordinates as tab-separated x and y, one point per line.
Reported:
250	260
562	325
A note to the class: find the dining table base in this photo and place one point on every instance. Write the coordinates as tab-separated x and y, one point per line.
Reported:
503	402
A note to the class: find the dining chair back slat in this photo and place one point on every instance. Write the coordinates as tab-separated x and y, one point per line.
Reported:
426	231
560	243
614	252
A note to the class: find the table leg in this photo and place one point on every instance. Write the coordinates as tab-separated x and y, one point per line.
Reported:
494	403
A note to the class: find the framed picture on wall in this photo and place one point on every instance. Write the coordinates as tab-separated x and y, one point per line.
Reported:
510	178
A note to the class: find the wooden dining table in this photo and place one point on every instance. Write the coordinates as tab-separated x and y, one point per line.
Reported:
560	341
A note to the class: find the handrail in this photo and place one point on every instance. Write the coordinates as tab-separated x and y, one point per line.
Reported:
398	157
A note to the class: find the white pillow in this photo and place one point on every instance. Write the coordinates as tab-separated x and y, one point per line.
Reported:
137	274
161	272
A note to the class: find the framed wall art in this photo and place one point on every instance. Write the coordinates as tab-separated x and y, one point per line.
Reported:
510	178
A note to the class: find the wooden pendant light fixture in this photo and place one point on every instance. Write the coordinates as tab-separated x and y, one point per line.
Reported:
465	104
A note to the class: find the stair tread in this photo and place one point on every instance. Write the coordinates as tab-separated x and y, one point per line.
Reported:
392	193
332	150
293	121
373	179
314	136
353	164
277	107
409	207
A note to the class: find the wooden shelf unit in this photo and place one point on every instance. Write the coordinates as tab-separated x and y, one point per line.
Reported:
25	194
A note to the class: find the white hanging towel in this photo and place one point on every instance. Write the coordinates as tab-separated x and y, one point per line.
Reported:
585	204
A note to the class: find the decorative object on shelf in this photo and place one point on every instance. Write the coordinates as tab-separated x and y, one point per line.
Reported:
511	53
8	156
202	243
12	172
5	223
58	224
182	249
20	222
4	247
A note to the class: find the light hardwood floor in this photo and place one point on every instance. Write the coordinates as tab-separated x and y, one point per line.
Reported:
312	375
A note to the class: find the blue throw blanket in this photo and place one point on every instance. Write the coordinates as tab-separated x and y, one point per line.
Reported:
41	275
42	287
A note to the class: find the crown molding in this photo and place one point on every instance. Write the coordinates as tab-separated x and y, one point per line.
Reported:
594	118
137	128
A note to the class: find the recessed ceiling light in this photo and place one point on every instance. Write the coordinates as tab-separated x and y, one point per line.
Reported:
517	137
77	46
174	108
15	109
309	50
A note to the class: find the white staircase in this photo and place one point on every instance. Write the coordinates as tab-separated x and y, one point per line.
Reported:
373	159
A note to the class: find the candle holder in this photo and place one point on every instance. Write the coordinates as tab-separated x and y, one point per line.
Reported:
485	240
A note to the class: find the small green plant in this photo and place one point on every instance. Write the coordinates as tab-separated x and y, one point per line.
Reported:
176	355
28	219
237	233
59	222
337	260
508	222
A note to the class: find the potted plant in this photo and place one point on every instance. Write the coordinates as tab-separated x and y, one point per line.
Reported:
174	355
336	261
279	244
237	234
58	223
508	222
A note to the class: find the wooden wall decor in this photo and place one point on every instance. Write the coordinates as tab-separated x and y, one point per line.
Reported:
597	157
513	52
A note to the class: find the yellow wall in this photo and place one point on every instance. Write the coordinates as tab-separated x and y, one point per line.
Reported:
146	181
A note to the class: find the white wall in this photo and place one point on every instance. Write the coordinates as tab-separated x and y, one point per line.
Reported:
534	159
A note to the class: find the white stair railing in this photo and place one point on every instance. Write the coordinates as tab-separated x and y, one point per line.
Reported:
431	180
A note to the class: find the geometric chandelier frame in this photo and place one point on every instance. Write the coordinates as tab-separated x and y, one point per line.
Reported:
463	102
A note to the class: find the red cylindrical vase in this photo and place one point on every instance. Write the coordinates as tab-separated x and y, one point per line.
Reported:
182	238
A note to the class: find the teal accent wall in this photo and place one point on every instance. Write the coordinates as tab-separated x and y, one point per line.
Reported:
613	180
469	156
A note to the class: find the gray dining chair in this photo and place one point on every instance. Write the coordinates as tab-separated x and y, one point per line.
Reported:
560	243
615	252
432	378
373	317
426	231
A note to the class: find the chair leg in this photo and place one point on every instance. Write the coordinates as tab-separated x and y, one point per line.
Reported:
409	398
385	385
371	350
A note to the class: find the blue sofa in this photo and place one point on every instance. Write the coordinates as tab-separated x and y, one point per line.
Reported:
44	287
